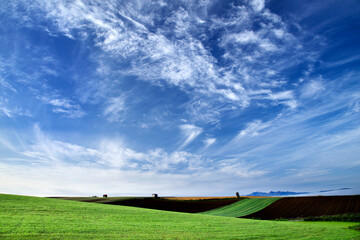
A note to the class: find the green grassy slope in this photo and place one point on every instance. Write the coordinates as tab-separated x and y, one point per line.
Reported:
42	218
97	199
242	208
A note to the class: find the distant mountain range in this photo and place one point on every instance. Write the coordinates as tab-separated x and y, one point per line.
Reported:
277	193
288	193
331	190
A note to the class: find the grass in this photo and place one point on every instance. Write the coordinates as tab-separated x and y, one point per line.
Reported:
42	218
355	227
349	217
242	208
98	199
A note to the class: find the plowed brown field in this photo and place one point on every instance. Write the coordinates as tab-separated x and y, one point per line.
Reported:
196	198
297	207
208	198
189	206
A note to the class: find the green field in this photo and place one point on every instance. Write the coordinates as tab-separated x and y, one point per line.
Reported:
108	200
42	218
242	207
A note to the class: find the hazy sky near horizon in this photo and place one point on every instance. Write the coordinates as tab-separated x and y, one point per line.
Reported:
179	97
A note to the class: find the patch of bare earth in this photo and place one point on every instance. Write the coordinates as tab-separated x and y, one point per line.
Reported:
298	207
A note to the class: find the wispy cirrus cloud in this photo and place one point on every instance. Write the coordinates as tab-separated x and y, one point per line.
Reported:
64	106
312	88
253	128
25	75
248	38
6	111
14	112
176	52
115	109
47	151
110	153
190	132
113	153
208	142
302	134
61	161
258	5
5	84
239	168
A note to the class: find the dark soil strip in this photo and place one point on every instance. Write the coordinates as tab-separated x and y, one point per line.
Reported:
189	206
299	207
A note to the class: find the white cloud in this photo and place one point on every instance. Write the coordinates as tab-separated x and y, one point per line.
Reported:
279	33
15	112
208	142
174	53
204	111
64	106
51	167
5	84
253	128
48	151
115	109
267	45
258	5
312	88
291	103
65	103
250	37
70	180
190	132
290	140
6	111
282	95
285	97
234	167
87	180
111	153
10	111
245	37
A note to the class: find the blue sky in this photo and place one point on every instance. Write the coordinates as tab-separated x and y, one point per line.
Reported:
179	97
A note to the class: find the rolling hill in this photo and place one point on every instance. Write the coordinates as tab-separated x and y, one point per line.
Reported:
43	218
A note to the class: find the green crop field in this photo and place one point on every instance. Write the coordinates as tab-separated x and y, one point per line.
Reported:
43	218
242	207
97	199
